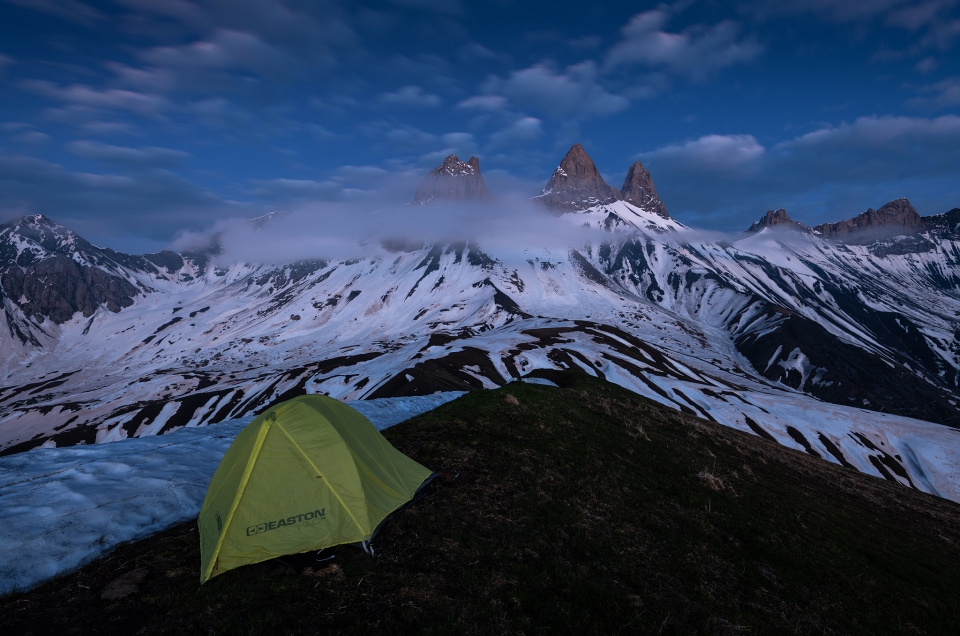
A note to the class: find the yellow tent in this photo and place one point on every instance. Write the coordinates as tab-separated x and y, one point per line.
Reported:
307	474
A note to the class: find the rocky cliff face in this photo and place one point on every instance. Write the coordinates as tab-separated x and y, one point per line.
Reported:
777	219
576	184
454	180
638	190
58	287
893	219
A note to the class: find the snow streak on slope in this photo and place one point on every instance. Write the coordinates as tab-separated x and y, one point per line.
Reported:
744	333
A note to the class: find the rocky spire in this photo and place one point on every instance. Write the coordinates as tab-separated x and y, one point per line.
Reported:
778	219
638	190
893	219
454	180
576	184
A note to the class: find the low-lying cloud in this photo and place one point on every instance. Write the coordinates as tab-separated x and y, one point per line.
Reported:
335	230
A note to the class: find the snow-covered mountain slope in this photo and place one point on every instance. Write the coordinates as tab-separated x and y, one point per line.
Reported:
680	319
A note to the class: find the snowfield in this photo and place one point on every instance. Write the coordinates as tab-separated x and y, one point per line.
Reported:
65	507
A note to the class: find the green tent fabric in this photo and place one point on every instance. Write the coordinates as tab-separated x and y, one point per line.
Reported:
308	473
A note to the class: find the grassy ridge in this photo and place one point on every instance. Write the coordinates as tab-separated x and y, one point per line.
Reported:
583	509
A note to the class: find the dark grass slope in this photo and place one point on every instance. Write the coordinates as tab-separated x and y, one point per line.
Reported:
583	509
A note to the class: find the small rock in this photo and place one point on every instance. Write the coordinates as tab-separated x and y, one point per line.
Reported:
124	585
512	400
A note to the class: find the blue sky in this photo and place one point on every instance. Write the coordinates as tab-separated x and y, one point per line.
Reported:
135	120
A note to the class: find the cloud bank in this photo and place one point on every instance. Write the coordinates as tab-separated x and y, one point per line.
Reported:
343	230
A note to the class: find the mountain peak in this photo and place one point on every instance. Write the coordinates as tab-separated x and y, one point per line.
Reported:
778	219
895	218
453	180
638	190
576	184
33	221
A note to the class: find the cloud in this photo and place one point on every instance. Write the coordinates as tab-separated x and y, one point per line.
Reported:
834	172
31	137
408	138
720	155
368	177
942	35
298	189
573	92
933	16
484	102
224	49
224	60
915	16
441	6
834	10
107	128
696	51
108	208
474	52
71	10
411	97
344	230
144	104
463	142
877	148
943	94
525	129
186	12
927	65
129	157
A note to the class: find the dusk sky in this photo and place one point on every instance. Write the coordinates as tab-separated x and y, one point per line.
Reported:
135	120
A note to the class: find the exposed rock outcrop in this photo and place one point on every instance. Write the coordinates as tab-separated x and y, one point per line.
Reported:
947	223
454	180
58	287
50	272
777	219
576	184
893	219
638	190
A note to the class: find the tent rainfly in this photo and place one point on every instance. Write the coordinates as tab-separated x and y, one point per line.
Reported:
307	474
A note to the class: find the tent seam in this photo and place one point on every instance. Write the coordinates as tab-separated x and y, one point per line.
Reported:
325	481
247	471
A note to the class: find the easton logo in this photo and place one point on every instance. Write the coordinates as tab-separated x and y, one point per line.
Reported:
260	528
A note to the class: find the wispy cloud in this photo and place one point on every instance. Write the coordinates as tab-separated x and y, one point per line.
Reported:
123	156
834	170
696	51
151	203
411	97
71	10
943	94
574	91
111	99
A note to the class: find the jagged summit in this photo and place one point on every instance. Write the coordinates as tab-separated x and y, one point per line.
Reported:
893	219
30	237
30	220
453	180
778	219
638	190
576	184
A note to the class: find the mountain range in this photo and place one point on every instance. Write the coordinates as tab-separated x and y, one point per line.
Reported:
841	340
